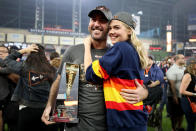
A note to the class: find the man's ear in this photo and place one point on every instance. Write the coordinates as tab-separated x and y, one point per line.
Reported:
89	25
88	28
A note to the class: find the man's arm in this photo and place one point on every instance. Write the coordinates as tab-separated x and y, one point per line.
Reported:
13	77
14	65
5	70
154	84
173	89
171	76
159	78
135	96
2	63
51	101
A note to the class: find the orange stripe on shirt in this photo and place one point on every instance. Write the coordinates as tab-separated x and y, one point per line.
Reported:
122	106
119	84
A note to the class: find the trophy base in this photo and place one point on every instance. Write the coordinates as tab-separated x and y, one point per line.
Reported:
64	119
67	114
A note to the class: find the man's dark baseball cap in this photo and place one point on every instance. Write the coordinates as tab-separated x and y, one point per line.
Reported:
101	10
126	18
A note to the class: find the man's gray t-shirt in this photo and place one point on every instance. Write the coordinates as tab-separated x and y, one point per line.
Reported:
175	73
91	110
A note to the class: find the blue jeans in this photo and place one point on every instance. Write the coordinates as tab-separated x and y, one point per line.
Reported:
164	96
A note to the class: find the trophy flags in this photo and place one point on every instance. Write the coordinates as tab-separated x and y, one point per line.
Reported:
66	108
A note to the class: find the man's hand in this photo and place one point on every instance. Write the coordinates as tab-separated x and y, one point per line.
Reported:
175	99
154	83
45	116
134	96
51	100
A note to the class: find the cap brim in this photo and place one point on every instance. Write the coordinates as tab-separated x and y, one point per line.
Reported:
93	12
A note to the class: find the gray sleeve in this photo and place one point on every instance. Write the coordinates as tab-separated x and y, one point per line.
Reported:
2	62
5	70
10	61
67	57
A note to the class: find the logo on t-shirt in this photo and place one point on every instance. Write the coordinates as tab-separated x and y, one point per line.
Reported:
97	56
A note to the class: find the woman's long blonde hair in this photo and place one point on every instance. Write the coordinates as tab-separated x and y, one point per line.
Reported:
138	46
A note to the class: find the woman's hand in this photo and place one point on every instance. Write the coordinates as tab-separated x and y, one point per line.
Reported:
87	52
134	96
87	42
29	49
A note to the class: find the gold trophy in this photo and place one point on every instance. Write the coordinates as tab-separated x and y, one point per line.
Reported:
66	108
70	76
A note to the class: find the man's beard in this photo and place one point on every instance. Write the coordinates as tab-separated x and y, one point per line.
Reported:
182	64
103	36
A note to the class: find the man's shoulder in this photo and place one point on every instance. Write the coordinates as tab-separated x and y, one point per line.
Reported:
76	47
172	70
73	50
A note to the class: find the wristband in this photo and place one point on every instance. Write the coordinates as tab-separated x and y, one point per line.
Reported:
194	94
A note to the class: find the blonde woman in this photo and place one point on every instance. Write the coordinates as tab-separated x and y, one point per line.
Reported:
188	90
120	68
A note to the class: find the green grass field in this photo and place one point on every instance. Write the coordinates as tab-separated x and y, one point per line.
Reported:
166	123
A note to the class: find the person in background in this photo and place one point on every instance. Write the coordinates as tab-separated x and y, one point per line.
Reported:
188	91
174	76
153	78
120	68
8	80
32	90
55	60
54	55
170	60
164	67
4	86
